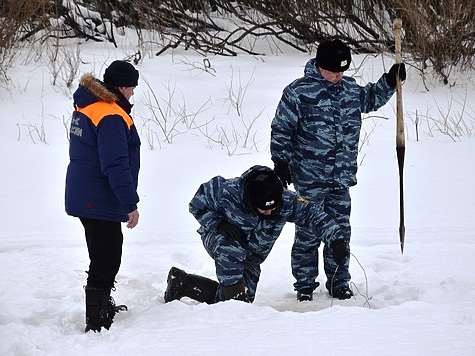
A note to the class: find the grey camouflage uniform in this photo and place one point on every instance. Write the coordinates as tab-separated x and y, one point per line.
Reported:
316	130
224	199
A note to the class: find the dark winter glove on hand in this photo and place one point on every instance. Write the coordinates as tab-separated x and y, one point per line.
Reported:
283	172
231	231
340	252
396	69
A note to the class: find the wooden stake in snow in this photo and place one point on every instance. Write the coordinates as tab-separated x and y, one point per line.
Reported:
400	138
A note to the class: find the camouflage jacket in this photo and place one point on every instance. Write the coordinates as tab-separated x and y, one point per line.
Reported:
224	199
317	125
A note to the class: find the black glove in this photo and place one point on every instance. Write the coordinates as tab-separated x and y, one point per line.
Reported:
340	252
396	69
283	172
230	231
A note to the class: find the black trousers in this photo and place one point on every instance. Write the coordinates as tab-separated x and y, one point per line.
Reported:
104	243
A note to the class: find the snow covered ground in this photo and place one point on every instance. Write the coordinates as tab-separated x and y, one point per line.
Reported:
417	303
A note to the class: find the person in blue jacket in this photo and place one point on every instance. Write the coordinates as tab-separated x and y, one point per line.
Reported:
101	180
314	145
240	220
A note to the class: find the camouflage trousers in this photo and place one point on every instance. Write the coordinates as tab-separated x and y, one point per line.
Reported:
304	255
232	264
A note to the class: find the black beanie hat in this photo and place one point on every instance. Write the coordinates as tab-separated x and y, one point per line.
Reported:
334	56
121	74
264	190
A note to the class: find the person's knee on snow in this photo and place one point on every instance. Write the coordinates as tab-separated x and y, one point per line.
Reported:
235	291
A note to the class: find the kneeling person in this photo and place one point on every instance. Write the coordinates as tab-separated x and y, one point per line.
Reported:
241	218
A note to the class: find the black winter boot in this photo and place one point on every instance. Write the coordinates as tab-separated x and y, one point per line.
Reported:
94	312
236	291
341	292
305	295
181	284
100	309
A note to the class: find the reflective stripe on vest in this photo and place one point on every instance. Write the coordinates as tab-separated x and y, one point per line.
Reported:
97	111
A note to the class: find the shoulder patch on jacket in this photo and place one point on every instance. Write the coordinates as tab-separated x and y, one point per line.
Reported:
97	111
302	200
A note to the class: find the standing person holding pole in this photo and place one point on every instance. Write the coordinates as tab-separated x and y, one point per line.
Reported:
314	145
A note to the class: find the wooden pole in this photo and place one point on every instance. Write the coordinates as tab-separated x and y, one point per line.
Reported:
400	136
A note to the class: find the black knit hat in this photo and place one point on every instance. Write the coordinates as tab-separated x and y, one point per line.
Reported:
121	74
334	56
264	190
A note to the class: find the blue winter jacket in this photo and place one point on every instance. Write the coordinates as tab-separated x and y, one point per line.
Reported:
224	199
317	125
104	151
